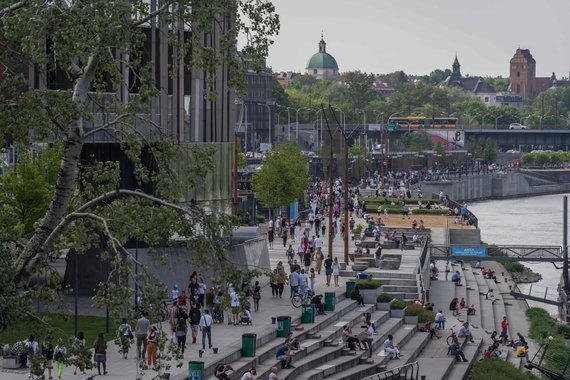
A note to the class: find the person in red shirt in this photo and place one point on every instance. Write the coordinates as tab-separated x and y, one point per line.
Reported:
504	326
182	299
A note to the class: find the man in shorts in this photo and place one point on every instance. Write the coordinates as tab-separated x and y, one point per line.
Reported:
328	269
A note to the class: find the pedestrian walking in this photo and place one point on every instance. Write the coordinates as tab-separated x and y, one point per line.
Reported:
284	234
141	332
100	348
47	352
125	335
81	338
173	319
256	296
335	271
59	354
328	269
312	278
319	257
181	333
194	316
206	327
152	347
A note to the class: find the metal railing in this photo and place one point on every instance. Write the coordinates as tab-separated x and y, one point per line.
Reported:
500	253
408	371
451	204
537	293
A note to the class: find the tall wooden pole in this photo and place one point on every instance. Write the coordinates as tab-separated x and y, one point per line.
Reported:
365	161
345	200
235	175
331	199
383	150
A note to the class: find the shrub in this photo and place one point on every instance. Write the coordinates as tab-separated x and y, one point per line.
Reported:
430	212
564	330
414	310
368	283
260	218
358	229
426	315
391	209
407	200
399	305
514	267
498	369
542	325
385	297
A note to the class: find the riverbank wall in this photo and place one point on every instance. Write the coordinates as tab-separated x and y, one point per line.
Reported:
521	183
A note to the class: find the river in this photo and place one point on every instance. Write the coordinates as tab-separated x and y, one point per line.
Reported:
525	221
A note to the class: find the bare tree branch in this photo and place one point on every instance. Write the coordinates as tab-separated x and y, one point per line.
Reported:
106	125
152	14
12	7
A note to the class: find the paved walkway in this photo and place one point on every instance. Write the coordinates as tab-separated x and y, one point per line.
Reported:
225	338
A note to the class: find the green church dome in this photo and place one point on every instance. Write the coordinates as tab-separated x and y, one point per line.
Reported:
322	61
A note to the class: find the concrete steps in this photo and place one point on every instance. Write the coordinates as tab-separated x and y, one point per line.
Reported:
435	368
319	368
399	289
473	297
460	370
487	312
320	354
410	343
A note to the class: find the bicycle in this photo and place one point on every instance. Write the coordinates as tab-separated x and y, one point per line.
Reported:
301	299
450	339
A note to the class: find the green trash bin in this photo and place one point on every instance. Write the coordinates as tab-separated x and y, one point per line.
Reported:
248	345
350	285
283	326
371	225
330	301
196	371
308	315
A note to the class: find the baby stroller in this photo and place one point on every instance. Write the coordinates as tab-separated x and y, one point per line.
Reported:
217	314
245	318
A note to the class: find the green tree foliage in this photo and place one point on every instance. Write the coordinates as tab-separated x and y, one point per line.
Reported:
283	177
500	370
542	158
490	151
356	89
92	44
474	147
279	94
439	150
395	79
436	77
414	142
542	326
498	83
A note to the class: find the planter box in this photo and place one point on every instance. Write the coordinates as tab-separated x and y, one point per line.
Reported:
10	362
411	319
370	295
385	306
398	313
342	266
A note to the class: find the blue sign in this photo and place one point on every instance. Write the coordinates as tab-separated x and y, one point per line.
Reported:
293	210
468	251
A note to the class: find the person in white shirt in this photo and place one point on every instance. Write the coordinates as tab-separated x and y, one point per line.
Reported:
249	374
392	350
206	326
303	282
234	304
368	338
318	243
440	320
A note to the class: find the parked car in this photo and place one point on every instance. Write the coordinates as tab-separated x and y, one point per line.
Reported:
249	155
517	126
258	155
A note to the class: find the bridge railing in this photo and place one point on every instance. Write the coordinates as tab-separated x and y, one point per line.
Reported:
408	371
537	293
497	252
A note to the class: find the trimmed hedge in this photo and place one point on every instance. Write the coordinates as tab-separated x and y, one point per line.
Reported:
418	310
426	315
385	297
407	200
368	284
260	218
430	212
514	267
498	369
399	305
414	310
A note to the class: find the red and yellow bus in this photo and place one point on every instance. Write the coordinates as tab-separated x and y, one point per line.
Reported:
422	122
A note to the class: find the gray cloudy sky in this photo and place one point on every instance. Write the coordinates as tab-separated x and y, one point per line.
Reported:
418	36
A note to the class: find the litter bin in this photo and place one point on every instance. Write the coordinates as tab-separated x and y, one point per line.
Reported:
330	301
350	285
371	225
196	371
248	345
308	315
363	276
283	326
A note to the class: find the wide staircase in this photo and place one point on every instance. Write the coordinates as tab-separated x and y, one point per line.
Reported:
323	355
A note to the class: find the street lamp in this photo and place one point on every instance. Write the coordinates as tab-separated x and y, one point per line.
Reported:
496	120
521	119
285	109
473	118
297	121
268	104
342	116
381	114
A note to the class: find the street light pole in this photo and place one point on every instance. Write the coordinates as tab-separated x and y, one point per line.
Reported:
473	118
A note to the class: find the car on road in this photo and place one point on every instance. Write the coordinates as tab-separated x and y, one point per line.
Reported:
517	126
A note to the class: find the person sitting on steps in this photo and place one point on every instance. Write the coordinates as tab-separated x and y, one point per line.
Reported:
455	349
456	278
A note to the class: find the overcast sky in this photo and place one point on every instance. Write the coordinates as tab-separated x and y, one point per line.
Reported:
418	36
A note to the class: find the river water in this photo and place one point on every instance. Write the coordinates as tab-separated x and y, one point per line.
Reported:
525	221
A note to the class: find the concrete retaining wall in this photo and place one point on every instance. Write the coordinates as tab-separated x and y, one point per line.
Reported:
502	185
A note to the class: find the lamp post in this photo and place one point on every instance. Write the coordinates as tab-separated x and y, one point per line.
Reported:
288	120
521	119
342	117
381	114
385	143
268	104
297	120
496	120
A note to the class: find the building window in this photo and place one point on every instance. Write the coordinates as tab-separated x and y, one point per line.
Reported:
518	73
518	88
314	71
486	99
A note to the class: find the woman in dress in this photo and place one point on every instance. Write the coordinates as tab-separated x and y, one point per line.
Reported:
318	260
336	270
297	230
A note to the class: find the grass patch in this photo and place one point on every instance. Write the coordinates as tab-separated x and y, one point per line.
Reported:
542	325
368	284
22	329
514	267
498	369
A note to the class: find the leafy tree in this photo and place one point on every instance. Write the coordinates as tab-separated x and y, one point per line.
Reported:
242	162
279	94
491	151
498	83
436	77
474	147
395	79
440	151
92	45
414	142
283	177
356	90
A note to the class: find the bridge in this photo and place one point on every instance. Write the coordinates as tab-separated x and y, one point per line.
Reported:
497	253
522	137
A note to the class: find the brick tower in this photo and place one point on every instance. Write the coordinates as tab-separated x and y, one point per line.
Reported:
523	73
